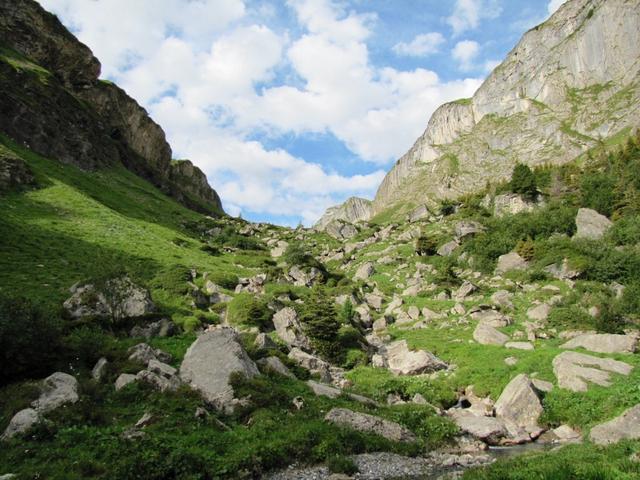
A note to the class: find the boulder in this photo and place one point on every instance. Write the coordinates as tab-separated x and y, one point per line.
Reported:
312	363
341	230
159	379
289	329
487	335
274	364
626	426
488	429
264	342
403	361
253	285
99	369
304	277
364	271
144	353
466	289
539	313
493	318
21	423
413	312
448	248
502	299
510	261
325	390
421	212
123	380
209	363
363	422
466	228
519	345
563	271
591	225
604	343
119	299
519	405
161	328
56	390
511	204
573	370
373	300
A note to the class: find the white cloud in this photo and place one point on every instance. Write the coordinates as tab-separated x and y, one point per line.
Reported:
467	14
465	52
216	82
422	45
554	5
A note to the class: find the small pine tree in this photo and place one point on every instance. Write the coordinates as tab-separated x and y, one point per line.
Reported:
526	248
321	324
347	313
523	181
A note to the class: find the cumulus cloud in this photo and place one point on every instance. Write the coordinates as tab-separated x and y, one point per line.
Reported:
465	52
467	14
421	46
216	78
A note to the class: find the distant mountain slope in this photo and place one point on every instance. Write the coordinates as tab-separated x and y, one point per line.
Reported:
353	210
53	102
569	84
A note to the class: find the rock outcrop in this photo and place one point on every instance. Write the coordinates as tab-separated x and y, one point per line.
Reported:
363	422
573	370
54	103
626	426
569	83
353	210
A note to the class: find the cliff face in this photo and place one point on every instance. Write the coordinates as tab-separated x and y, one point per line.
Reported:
53	101
353	210
568	84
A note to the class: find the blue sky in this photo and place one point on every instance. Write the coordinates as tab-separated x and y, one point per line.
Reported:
292	106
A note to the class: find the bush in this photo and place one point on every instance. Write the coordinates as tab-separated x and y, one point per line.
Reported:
87	344
523	181
610	319
30	340
447	207
225	280
295	254
321	324
347	313
426	246
230	238
598	192
526	249
247	310
625	231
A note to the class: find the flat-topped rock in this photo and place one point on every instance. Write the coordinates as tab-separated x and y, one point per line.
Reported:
403	361
626	426
363	422
573	370
604	343
487	335
591	225
488	429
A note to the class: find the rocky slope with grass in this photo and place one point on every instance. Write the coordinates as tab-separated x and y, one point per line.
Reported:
570	83
54	102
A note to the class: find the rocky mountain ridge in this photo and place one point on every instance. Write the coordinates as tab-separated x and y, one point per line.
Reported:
55	103
352	210
568	85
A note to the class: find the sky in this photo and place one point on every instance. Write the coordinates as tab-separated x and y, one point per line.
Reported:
292	106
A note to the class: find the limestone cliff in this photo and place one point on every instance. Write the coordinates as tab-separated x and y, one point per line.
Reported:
54	102
569	84
353	210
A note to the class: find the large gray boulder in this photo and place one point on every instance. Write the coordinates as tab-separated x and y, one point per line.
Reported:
591	225
519	406
573	370
274	364
364	271
403	361
161	328
312	363
118	298
448	248
485	334
488	429
510	261
21	423
289	329
341	230
604	343
56	390
467	228
209	363
625	426
362	422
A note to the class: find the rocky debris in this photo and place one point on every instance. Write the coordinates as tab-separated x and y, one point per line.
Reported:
485	334
363	422
340	230
21	423
14	172
604	343
56	390
591	225
502	299
274	364
562	434
491	318
539	313
304	277
161	328
510	261
519	345
353	210
119	299
99	369
144	353
448	248
563	271
625	426
488	429
519	407
209	363
421	212
289	329
466	289
573	370
312	363
402	361
325	390
512	204
467	228
253	285
264	342
160	376
123	380
364	271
